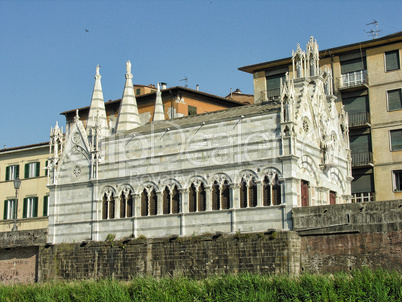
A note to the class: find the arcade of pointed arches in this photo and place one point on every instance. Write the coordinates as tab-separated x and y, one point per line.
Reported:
219	189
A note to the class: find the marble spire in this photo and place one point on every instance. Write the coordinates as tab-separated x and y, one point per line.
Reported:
129	117
159	113
97	111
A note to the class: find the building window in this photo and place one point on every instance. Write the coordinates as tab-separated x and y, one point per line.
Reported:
126	204
108	205
394	98
396	140
9	209
30	207
138	91
171	200
248	193
392	60
45	206
271	191
397	175
32	170
192	110
149	202
12	172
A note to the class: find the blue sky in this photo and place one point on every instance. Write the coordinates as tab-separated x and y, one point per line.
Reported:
48	59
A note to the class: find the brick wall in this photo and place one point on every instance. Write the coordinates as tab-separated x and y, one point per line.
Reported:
193	256
18	265
347	236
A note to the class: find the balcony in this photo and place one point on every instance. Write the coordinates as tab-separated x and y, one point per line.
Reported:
363	197
353	80
359	120
362	159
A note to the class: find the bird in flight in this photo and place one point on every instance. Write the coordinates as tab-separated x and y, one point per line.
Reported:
87	30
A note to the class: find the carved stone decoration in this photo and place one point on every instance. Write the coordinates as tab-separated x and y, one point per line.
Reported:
76	138
76	171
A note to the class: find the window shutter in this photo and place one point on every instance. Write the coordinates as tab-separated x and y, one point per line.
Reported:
26	174
396	139
25	208
8	173
17	171
5	209
353	65
356	104
394	99
37	169
46	167
45	205
35	207
392	60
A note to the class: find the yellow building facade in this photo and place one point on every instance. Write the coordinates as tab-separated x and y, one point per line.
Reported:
367	81
27	164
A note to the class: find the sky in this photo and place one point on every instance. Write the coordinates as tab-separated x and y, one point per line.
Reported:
49	49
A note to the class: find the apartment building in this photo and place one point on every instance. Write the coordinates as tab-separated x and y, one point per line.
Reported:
367	81
25	208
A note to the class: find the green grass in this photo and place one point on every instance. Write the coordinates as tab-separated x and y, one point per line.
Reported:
359	285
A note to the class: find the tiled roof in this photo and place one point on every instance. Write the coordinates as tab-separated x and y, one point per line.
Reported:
209	117
24	147
139	97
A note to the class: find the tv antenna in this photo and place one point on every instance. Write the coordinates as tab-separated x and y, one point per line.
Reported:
374	31
185	80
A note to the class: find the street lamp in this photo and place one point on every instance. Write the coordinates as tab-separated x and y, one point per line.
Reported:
17	184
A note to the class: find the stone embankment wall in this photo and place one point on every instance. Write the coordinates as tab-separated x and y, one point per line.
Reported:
343	237
198	256
325	239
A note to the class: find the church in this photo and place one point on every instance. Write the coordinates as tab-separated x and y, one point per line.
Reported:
241	169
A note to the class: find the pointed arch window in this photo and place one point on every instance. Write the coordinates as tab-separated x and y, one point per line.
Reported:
153	203
192	198
225	202
108	205
126	204
166	201
252	193
243	193
144	203
271	191
175	200
202	204
171	200
215	195
197	197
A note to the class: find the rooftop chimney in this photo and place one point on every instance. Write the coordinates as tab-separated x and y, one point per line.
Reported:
163	85
198	87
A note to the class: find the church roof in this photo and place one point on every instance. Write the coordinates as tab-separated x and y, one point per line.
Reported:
209	117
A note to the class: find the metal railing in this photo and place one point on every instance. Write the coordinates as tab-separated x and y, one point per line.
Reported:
362	159
359	119
363	197
353	79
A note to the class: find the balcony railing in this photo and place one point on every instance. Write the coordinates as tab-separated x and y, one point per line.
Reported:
363	197
353	79
362	159
359	119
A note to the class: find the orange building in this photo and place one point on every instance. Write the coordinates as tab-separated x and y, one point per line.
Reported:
177	101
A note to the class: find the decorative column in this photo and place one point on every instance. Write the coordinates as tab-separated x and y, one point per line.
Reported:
208	197
136	198
235	189
159	201
184	207
259	193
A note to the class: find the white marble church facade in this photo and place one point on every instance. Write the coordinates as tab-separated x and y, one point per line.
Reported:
235	170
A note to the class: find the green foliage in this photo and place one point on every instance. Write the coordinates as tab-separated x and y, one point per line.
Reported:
358	285
110	237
